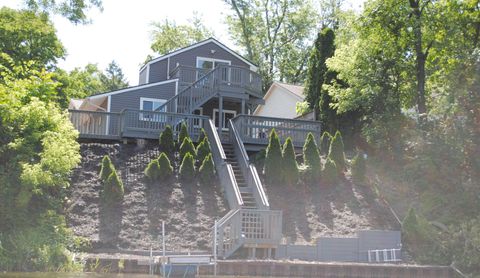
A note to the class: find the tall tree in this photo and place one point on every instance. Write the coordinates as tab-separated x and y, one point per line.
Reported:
73	10
318	74
28	41
168	36
275	35
112	78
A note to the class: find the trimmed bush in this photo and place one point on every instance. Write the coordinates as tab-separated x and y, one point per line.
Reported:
183	133
336	151
311	158
330	173
187	168
166	169
106	169
359	168
290	167
207	170
203	150
273	159
166	141
202	135
113	188
153	170
325	140
187	147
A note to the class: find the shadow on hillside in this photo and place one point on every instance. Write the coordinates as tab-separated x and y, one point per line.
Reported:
158	197
110	224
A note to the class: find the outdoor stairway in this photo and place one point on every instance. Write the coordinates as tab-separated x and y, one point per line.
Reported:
245	190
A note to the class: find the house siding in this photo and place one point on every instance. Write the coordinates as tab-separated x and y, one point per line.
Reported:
143	77
189	58
280	104
131	99
158	71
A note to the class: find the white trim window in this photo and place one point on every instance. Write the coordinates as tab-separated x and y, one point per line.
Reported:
209	64
227	115
151	104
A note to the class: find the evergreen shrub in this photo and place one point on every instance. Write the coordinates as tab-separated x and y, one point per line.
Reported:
273	159
166	169
336	152
106	169
183	133
325	140
202	135
187	168
207	170
113	188
166	142
311	158
359	168
290	167
187	147
203	150
330	173
153	170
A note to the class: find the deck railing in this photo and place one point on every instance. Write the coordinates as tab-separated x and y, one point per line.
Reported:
92	124
248	227
248	170
255	129
234	76
187	74
132	123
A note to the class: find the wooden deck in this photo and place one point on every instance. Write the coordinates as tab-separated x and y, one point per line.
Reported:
130	123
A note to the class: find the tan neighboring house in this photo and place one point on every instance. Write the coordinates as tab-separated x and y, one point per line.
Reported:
281	101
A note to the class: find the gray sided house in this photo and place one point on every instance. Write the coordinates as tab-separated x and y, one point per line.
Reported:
205	85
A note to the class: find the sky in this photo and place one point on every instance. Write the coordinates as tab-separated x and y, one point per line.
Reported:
122	31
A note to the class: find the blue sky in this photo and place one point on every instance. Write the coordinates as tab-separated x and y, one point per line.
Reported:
122	31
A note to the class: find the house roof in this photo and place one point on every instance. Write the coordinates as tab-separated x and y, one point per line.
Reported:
178	51
295	89
131	88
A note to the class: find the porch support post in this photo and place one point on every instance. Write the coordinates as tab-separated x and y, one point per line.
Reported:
243	106
220	114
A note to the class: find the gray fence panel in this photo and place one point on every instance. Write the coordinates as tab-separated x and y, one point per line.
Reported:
338	249
378	240
298	252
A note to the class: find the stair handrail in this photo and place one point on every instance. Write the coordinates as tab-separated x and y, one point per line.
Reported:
249	171
224	169
189	89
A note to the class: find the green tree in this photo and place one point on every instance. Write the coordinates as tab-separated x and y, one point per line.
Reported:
273	160
325	141
74	11
336	151
166	142
28	41
290	166
152	172
202	135
207	170
113	78
106	168
330	172
187	168
275	35
113	189
311	158
166	169
359	168
183	133
203	150
187	147
318	74
168	36
78	83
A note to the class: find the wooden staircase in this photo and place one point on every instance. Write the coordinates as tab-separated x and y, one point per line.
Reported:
245	191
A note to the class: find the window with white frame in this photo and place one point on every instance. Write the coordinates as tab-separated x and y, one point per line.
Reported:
227	115
152	104
209	64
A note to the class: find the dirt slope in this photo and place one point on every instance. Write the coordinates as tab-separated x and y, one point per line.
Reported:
188	210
